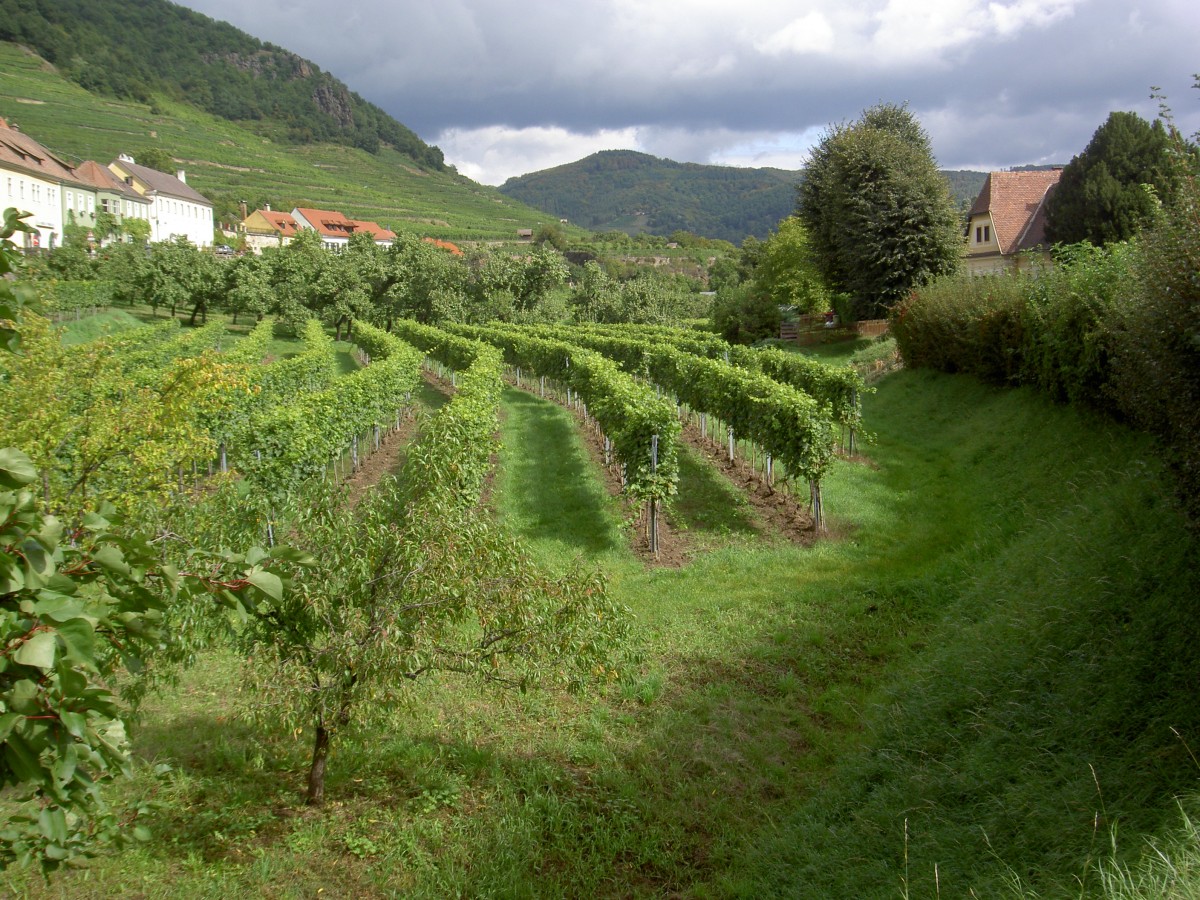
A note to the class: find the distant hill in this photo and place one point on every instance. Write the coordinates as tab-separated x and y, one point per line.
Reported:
230	162
623	190
142	49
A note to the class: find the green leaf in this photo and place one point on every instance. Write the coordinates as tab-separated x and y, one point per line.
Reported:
75	723
16	469
8	722
22	760
79	637
111	558
53	824
267	582
38	651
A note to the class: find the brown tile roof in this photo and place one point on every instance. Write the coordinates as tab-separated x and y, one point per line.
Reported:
97	176
327	222
1017	204
19	150
374	229
161	182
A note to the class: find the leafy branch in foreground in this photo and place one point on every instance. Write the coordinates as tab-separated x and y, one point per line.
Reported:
78	606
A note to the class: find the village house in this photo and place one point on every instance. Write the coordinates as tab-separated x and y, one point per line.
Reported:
176	210
111	195
34	180
383	237
333	227
268	228
1006	230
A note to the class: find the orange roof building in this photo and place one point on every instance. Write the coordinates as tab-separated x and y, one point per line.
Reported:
1008	220
268	228
333	227
382	236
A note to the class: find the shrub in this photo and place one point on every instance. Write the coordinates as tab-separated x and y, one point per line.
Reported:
1066	339
1155	340
964	324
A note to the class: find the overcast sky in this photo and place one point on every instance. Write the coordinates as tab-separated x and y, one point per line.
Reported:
506	88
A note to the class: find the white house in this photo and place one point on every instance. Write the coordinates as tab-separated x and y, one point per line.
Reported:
32	179
176	210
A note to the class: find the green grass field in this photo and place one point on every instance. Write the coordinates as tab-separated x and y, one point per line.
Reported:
982	686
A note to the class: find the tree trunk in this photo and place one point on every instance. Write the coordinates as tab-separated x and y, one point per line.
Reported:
316	773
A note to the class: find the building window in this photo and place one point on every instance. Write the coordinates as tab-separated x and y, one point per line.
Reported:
987	233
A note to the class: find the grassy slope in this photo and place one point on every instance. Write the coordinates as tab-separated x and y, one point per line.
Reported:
221	157
968	690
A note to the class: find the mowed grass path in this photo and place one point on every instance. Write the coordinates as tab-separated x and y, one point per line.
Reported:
963	692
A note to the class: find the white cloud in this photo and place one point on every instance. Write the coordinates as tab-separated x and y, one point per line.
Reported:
492	154
810	33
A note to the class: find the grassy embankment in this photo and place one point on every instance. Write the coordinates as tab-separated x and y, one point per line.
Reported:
979	686
222	158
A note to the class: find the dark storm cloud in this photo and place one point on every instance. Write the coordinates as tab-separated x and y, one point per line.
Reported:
506	88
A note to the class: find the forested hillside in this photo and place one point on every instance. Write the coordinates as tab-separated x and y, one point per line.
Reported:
139	50
623	190
229	162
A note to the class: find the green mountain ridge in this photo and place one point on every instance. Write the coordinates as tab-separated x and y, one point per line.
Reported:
139	49
230	162
633	192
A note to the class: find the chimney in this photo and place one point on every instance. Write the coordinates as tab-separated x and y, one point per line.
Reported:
267	207
181	175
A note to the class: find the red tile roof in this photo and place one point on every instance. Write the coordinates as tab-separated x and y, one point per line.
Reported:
445	245
1017	204
328	223
374	229
102	178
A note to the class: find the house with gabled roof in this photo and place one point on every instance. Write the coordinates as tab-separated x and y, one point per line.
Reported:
268	228
176	209
333	227
32	180
1006	229
112	195
382	236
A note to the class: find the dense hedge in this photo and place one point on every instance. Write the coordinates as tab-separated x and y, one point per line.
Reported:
1050	329
1114	328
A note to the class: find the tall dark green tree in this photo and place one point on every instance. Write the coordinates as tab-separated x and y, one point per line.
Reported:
879	215
1100	197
